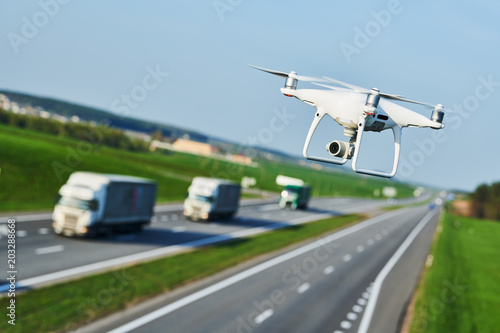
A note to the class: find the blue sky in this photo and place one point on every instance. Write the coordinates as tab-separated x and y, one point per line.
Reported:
194	52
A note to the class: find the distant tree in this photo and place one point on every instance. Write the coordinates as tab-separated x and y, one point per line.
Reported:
485	201
157	135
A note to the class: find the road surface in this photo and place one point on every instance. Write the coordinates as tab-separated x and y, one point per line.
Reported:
43	257
323	286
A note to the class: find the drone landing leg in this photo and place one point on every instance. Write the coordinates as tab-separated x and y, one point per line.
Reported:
396	130
319	115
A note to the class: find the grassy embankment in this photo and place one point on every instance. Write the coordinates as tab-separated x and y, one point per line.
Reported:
68	305
34	166
460	292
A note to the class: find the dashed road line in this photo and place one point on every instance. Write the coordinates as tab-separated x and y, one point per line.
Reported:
263	316
346	258
328	270
43	231
346	324
50	249
303	287
357	309
377	285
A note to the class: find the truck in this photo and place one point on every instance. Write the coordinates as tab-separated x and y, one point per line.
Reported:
90	204
211	198
295	196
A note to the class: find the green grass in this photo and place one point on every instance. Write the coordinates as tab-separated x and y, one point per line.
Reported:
460	292
67	305
35	165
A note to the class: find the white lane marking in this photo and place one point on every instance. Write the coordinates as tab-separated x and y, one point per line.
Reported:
328	270
263	316
337	331
43	231
249	272
352	316
346	258
179	229
174	217
370	242
50	249
378	237
345	324
362	301
357	308
360	248
164	218
21	233
377	285
365	295
303	287
154	219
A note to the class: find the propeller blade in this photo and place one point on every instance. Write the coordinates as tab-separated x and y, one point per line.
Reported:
291	74
390	95
398	98
334	88
270	71
308	78
350	86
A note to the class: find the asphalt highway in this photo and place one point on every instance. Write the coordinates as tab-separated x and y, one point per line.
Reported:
359	278
43	257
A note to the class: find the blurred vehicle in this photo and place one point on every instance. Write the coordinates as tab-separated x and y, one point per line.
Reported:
92	204
295	196
211	198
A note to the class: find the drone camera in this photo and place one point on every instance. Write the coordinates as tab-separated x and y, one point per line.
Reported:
340	149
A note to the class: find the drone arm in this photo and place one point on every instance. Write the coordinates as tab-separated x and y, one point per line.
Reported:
397	147
317	118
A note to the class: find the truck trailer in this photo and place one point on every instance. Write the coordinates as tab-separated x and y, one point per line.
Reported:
92	203
211	198
295	197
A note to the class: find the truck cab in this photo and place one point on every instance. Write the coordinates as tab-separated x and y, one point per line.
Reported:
211	198
295	197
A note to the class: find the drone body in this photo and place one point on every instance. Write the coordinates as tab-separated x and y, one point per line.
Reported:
357	110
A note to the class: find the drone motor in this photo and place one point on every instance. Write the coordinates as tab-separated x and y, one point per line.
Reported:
291	81
438	114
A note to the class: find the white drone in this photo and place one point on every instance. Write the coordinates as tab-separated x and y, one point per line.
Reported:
350	109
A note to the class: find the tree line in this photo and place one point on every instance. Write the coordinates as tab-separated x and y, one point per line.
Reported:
485	201
111	137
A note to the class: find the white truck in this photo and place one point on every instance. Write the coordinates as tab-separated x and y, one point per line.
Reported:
211	198
93	203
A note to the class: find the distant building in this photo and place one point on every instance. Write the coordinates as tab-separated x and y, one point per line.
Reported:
193	147
241	159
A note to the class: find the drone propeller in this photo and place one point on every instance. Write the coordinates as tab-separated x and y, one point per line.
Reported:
292	74
334	88
362	90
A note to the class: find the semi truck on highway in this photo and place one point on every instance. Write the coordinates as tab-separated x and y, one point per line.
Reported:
93	203
211	198
295	196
